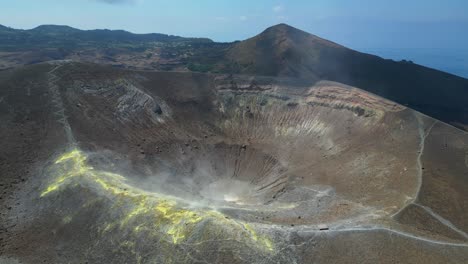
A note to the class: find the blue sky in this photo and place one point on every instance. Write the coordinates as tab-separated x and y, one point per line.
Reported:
355	23
430	32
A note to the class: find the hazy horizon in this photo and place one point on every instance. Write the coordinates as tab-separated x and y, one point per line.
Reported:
454	61
431	33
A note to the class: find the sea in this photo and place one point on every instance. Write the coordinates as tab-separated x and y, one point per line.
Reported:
448	60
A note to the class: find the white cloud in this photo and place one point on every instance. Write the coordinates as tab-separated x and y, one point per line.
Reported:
278	8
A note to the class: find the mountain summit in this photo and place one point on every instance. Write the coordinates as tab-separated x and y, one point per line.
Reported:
285	51
279	51
132	164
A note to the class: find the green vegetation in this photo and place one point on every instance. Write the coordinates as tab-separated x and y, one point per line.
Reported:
281	51
196	67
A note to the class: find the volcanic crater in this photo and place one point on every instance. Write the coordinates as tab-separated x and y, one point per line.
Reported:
178	167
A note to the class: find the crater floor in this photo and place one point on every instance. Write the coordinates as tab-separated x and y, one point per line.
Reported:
138	167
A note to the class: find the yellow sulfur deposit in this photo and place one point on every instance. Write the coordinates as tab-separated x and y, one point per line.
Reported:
153	213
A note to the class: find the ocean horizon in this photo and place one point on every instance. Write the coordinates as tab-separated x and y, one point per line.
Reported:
453	61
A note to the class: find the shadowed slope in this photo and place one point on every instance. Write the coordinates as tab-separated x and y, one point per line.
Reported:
280	50
283	51
286	51
181	167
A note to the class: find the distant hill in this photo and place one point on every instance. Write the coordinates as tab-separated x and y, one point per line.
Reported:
281	50
55	36
4	29
284	51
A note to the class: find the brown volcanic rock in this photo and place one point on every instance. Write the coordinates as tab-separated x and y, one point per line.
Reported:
185	167
282	50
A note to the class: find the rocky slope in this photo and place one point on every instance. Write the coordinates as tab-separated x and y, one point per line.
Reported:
107	165
280	51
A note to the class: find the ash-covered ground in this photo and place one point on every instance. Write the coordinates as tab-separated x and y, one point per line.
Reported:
109	166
